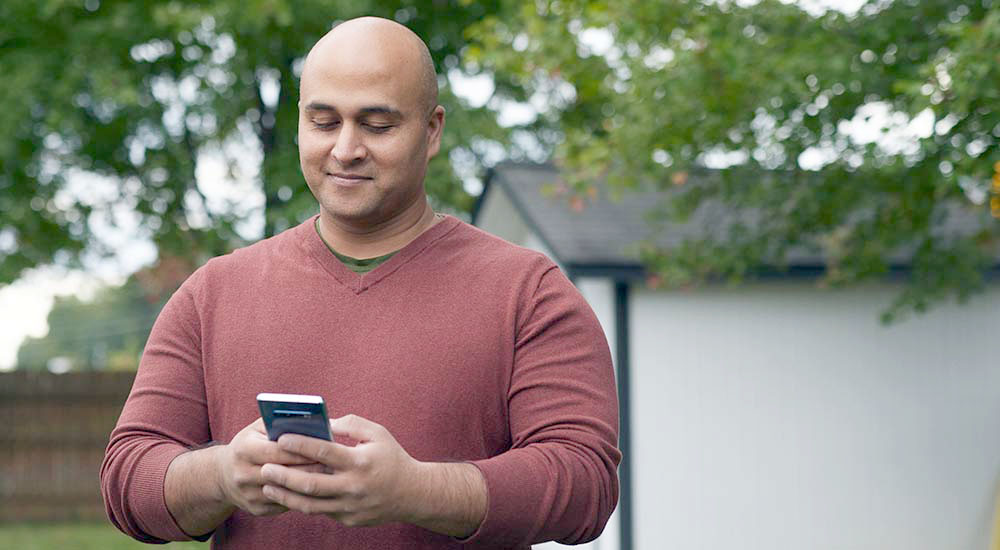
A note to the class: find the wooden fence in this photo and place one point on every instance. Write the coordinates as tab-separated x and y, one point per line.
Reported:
53	431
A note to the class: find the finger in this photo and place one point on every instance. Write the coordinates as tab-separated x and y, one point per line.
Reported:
268	509
258	426
261	480
325	452
355	427
314	467
266	451
277	455
305	483
299	502
258	449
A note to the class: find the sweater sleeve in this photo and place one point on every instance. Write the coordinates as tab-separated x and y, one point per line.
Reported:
165	414
559	479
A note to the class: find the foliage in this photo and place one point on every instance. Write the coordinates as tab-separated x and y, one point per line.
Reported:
110	330
141	93
765	91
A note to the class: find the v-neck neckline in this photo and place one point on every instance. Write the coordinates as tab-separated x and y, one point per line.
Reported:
359	283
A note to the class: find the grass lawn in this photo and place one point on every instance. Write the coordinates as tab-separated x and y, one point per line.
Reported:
75	536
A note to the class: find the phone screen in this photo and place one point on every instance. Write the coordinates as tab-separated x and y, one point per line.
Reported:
294	413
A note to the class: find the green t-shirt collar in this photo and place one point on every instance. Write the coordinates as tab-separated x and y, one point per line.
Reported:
356	265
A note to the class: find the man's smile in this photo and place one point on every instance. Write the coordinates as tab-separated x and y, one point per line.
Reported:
346	179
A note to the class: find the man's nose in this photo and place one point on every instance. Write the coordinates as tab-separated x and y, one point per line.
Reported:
349	148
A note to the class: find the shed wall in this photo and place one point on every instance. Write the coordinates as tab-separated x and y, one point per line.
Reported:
780	416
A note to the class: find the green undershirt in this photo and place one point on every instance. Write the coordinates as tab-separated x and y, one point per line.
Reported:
354	264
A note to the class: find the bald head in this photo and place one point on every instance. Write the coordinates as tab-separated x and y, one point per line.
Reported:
381	43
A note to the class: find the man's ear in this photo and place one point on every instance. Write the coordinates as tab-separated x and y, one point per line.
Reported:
435	127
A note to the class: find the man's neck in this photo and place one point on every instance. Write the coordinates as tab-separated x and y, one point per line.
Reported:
377	240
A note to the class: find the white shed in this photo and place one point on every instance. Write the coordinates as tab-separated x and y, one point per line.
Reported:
775	415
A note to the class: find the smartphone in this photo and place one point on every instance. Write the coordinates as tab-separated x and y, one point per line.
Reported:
293	413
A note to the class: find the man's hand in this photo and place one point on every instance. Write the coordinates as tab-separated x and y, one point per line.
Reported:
376	482
240	462
203	487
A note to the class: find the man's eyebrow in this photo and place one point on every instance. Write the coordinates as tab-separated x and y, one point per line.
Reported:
381	110
316	106
370	110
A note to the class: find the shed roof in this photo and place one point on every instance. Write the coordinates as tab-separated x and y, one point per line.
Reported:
604	234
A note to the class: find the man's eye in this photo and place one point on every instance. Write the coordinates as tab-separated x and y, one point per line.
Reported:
378	128
326	125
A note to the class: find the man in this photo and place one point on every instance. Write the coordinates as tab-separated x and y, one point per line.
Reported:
471	385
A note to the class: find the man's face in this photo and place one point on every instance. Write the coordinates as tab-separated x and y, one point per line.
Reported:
365	135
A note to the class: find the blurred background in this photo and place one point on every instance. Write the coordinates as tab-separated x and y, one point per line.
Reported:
784	214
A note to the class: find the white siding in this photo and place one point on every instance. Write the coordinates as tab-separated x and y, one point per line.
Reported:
499	216
533	242
778	416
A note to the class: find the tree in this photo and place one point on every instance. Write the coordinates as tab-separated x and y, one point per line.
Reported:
141	93
636	92
110	330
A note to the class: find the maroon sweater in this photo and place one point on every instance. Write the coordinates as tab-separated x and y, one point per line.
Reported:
465	347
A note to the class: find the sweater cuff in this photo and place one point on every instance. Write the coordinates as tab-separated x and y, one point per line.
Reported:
506	525
147	490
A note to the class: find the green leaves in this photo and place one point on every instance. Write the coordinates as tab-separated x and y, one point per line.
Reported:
787	102
145	95
862	138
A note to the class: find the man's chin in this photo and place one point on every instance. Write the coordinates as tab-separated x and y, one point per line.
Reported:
360	217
